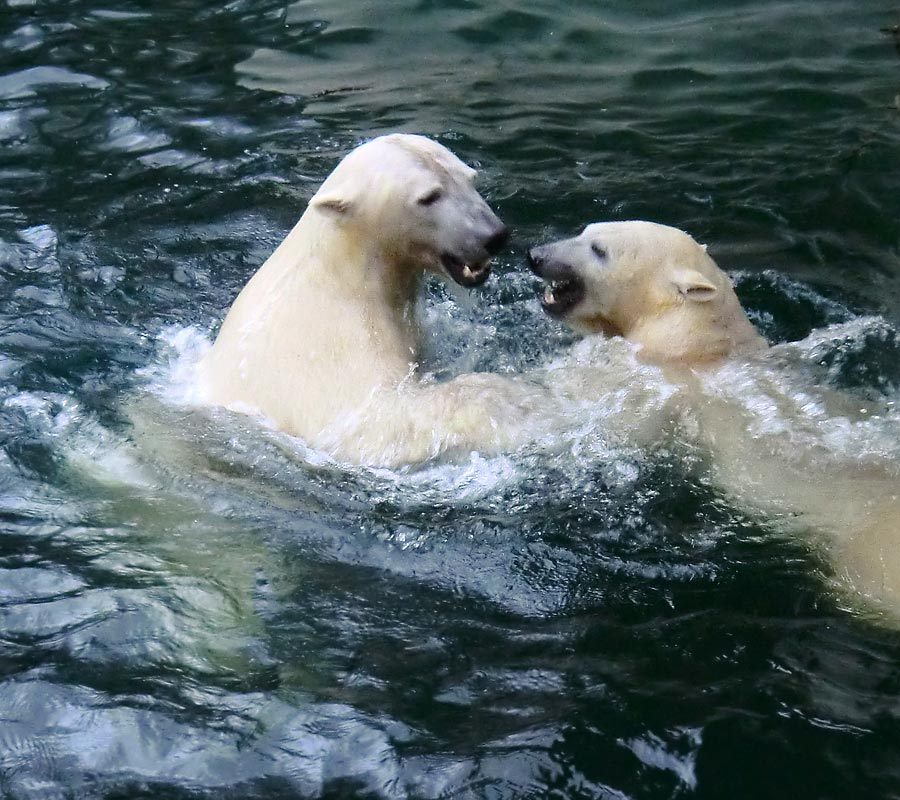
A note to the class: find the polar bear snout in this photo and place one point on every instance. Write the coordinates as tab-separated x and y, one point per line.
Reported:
473	269
564	287
497	240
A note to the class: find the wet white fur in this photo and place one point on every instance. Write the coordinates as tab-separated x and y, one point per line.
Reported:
323	340
660	289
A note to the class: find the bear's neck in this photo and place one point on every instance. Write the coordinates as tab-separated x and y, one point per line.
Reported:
349	266
722	332
367	301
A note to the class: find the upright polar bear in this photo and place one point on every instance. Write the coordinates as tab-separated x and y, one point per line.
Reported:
655	286
322	341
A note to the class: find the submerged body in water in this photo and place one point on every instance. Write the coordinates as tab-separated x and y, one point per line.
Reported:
656	287
193	604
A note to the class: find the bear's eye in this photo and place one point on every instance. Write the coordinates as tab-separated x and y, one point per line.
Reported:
598	251
431	198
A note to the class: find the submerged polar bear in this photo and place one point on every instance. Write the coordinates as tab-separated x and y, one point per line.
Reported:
657	287
323	341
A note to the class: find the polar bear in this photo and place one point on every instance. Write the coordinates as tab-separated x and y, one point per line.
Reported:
657	287
649	283
322	341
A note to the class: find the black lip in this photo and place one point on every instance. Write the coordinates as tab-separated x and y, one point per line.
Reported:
455	267
566	286
566	295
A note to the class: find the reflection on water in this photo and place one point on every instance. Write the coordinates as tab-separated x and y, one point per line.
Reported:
193	605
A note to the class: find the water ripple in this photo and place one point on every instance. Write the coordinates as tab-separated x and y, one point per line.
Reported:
194	606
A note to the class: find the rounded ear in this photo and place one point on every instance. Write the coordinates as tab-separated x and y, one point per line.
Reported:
693	286
338	195
331	203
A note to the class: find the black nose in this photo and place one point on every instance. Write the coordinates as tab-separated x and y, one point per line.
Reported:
497	241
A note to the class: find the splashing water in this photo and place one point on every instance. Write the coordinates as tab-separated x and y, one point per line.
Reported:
194	605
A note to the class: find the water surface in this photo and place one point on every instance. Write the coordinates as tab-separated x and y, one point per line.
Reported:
220	612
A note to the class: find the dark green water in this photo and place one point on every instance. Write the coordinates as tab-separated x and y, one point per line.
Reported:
244	620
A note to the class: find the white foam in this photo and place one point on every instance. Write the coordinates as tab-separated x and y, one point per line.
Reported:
788	396
468	481
780	397
173	376
585	447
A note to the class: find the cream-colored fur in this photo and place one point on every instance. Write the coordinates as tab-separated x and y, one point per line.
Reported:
323	339
657	287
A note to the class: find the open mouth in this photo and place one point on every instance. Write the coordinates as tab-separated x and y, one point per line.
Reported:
562	295
466	274
564	288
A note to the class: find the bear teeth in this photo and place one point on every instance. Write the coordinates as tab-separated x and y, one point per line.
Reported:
467	272
548	295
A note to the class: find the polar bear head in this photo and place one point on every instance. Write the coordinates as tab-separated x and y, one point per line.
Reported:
650	283
417	205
